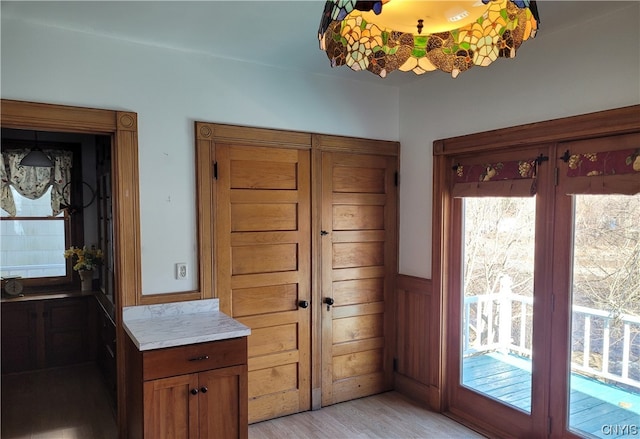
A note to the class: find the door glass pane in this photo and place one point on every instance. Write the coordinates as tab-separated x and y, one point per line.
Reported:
499	236
604	398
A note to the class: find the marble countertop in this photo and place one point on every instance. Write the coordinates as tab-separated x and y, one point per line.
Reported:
178	324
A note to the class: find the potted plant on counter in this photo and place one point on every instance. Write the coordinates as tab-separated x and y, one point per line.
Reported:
86	260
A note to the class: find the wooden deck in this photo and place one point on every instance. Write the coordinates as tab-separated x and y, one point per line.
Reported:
594	406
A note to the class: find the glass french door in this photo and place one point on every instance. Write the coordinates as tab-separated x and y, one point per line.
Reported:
604	381
544	315
497	308
598	285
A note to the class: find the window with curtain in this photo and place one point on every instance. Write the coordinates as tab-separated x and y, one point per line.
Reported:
35	229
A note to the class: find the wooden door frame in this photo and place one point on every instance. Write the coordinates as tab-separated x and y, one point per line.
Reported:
598	124
122	126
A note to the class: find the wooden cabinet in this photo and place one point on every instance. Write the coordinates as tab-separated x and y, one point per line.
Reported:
38	334
193	391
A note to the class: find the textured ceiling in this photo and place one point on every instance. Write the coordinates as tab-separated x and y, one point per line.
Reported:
282	33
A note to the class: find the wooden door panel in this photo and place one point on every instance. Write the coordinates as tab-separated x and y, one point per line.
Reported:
264	341
263	249
253	217
353	217
358	254
264	300
358	346
359	180
262	175
274	380
271	406
350	292
358	363
358	328
358	268
273	360
359	386
263	258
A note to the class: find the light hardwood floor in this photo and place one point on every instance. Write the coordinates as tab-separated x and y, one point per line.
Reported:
387	415
63	403
71	403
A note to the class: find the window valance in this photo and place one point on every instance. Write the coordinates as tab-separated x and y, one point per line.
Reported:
32	182
603	172
515	178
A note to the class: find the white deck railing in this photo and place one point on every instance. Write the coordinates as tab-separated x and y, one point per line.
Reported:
493	323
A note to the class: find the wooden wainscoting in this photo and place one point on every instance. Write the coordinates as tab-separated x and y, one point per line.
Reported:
416	371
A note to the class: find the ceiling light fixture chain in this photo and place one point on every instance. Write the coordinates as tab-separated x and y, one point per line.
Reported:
451	36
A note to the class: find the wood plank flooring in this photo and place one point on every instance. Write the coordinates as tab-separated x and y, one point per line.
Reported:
63	403
387	415
72	403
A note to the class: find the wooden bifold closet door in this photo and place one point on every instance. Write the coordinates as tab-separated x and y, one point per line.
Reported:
304	253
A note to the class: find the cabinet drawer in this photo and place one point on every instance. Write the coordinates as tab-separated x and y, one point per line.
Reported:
180	360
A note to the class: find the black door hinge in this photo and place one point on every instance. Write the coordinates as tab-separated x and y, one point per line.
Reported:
215	170
395	364
396	178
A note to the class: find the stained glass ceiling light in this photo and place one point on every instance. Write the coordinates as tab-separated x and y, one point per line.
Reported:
422	36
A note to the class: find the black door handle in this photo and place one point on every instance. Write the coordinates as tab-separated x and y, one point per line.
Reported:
329	301
303	304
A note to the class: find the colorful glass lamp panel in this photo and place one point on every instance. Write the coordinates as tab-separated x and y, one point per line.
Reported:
349	39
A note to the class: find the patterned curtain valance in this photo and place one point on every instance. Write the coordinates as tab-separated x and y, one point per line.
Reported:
626	161
33	182
603	172
516	178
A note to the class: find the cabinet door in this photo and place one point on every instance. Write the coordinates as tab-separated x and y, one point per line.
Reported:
358	269
223	403
18	337
66	334
263	269
171	409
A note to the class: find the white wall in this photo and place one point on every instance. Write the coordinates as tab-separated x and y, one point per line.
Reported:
170	90
577	70
574	71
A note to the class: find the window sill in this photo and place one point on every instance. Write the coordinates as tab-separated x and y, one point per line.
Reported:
45	296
